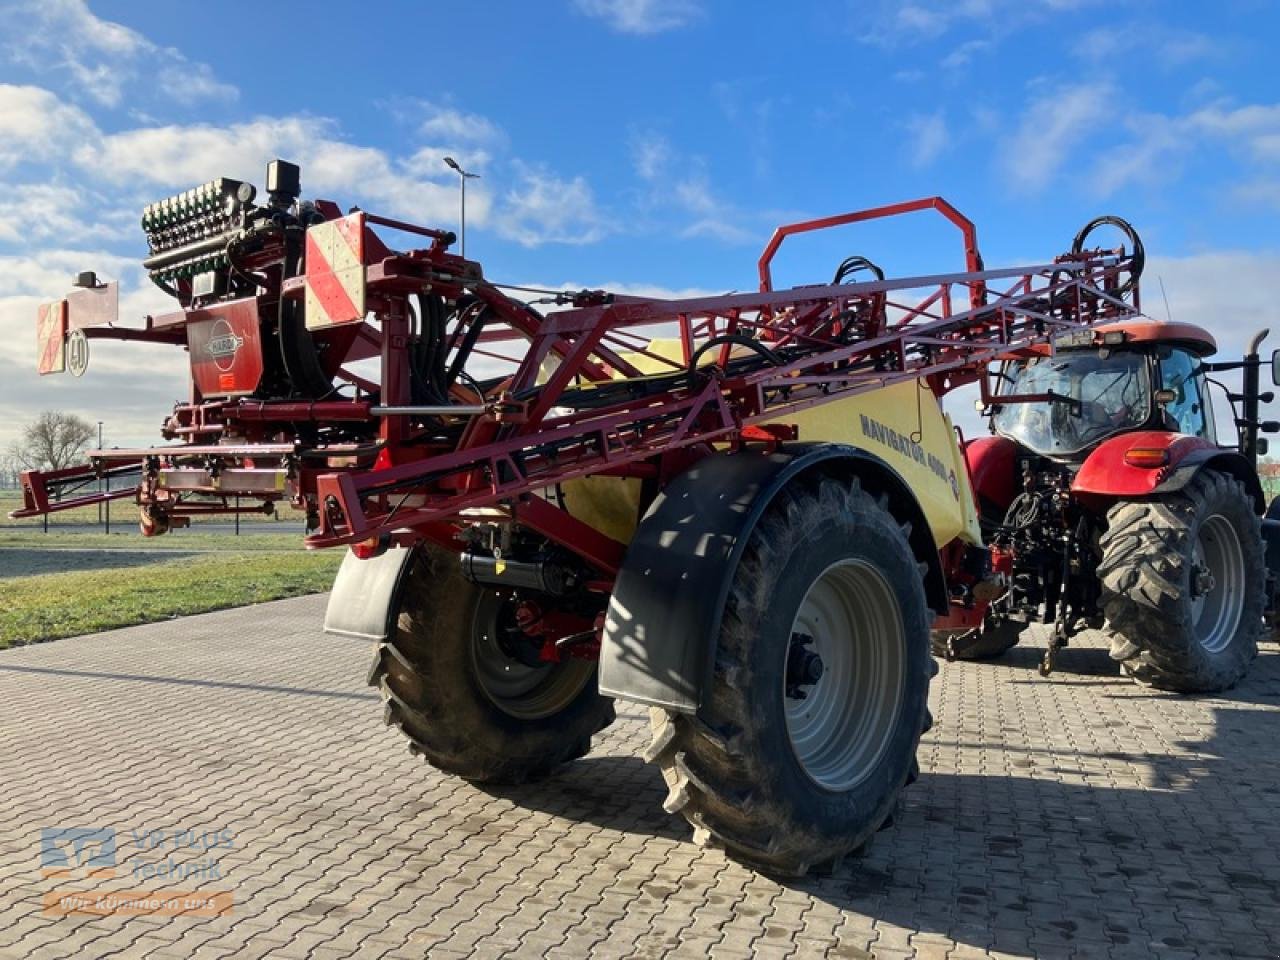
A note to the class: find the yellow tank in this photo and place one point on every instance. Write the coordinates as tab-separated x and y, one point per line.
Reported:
902	424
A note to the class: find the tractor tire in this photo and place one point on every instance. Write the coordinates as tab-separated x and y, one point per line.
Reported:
995	638
467	706
782	782
1184	585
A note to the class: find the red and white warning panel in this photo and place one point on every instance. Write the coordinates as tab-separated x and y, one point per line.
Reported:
335	280
51	337
92	304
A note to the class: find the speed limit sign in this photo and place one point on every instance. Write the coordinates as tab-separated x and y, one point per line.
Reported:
77	353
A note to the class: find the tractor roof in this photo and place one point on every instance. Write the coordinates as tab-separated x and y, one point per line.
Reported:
1145	330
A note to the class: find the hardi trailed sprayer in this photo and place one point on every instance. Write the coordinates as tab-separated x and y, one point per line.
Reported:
744	511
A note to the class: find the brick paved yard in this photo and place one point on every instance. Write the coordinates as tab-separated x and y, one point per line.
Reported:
1079	816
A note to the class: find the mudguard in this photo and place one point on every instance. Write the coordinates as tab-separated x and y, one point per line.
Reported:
1105	474
664	615
1230	462
993	469
366	595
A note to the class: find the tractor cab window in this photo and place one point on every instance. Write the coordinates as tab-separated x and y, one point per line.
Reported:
1187	412
1096	394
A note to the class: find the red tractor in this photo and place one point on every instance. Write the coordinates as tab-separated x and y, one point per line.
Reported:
1108	503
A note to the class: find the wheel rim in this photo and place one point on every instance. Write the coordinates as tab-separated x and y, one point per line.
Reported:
842	727
1217	583
522	690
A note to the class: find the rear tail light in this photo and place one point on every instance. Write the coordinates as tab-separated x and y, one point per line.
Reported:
373	547
1148	458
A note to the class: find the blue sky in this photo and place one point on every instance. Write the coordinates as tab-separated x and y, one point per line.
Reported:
641	143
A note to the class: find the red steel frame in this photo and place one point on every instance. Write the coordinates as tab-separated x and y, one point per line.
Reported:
540	426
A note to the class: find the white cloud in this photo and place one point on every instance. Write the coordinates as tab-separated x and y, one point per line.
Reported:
928	137
450	125
47	211
179	156
544	208
893	23
1157	143
1050	126
1232	293
1259	193
650	155
686	194
964	54
1150	155
642	16
101	58
189	83
1153	41
36	125
712	217
1254	128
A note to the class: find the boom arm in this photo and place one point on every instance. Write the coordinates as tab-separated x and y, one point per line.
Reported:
480	404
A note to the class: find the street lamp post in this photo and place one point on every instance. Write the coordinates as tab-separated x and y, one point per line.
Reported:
463	177
104	508
99	478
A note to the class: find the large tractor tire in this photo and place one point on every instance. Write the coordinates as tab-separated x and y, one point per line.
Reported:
1184	584
811	717
468	704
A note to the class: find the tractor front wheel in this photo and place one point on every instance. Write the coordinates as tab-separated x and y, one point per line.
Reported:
457	680
811	718
1184	585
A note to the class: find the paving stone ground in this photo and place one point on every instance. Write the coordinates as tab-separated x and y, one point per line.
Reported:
1076	816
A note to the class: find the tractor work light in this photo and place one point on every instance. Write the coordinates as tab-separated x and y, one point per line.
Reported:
1113	338
1147	458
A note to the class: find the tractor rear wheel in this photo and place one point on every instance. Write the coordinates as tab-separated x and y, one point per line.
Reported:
817	700
466	699
1184	584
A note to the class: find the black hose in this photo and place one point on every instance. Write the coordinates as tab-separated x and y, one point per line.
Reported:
1138	260
851	265
298	351
469	339
735	338
426	357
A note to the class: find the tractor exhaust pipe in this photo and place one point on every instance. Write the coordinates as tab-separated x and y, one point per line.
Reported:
1249	405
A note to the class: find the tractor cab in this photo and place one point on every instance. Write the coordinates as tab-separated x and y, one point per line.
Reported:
1116	379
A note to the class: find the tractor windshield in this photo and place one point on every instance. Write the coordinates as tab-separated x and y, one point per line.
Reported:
1101	396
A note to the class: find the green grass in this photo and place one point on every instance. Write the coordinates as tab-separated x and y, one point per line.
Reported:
54	605
130	539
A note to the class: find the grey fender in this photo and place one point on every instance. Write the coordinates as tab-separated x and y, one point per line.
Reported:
664	616
366	594
1231	462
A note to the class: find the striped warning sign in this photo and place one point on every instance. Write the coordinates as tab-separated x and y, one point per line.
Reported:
335	289
51	336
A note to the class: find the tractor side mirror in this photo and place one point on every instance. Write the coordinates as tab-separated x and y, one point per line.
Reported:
1275	367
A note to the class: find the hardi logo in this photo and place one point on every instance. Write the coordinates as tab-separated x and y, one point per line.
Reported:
223	345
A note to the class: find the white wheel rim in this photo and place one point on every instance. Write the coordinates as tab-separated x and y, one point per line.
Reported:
1217	583
843	726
